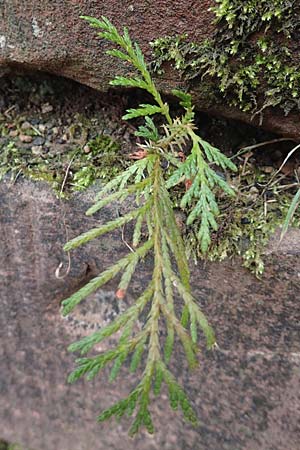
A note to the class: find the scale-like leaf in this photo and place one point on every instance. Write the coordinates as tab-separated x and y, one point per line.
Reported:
144	110
164	163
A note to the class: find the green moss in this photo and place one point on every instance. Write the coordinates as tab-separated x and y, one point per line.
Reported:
6	446
247	223
249	231
250	60
75	169
248	63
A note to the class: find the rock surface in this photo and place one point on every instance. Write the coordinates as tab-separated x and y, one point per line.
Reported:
49	36
246	393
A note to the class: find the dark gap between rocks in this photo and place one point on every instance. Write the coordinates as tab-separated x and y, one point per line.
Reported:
50	113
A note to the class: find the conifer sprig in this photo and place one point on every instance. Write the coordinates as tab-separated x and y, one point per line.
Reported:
167	299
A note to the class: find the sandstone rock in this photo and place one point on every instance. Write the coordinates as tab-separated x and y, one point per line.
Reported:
49	36
37	149
46	108
25	138
13	133
246	393
25	126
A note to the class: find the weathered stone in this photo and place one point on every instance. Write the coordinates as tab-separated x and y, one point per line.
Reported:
25	138
38	141
13	133
37	149
246	393
49	36
46	108
25	126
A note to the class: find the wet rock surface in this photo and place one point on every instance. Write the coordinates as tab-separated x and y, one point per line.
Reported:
50	37
246	393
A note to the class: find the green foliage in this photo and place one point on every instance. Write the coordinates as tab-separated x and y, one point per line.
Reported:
9	446
156	235
71	170
249	60
264	202
249	13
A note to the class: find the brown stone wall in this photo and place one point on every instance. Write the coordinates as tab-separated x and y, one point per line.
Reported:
49	36
246	393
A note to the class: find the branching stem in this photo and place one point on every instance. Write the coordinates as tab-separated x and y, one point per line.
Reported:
155	233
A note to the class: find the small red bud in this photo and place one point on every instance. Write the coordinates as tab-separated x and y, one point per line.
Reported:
120	294
188	184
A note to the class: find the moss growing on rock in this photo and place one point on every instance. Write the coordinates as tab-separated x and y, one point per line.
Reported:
246	227
48	135
89	153
250	61
76	168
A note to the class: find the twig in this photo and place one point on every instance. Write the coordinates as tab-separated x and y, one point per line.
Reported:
284	162
261	144
6	113
17	176
124	240
36	130
66	174
59	267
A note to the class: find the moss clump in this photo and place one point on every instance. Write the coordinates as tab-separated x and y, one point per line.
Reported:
76	168
103	160
47	133
6	446
249	61
247	223
249	229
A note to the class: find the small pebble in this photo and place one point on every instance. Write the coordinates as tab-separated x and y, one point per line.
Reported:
42	128
36	150
267	169
25	138
13	133
86	149
35	121
46	108
38	141
25	126
269	194
54	130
